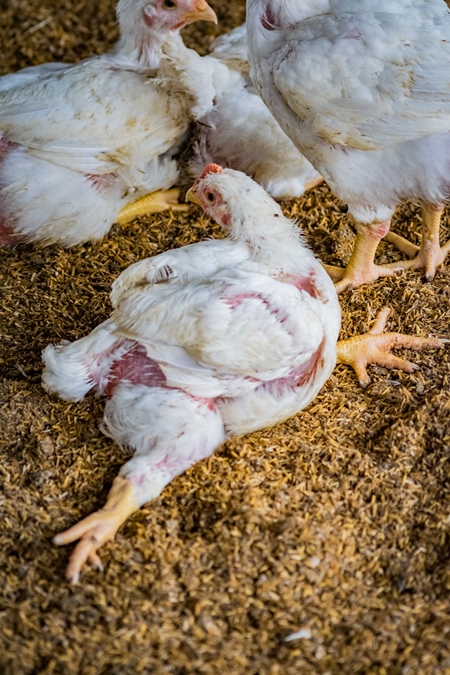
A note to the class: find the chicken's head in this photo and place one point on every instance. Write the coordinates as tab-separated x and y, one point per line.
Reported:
169	15
145	24
237	203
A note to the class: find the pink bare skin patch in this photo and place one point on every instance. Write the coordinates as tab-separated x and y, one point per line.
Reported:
6	146
379	230
238	299
8	237
269	21
300	376
7	234
138	368
225	219
102	181
308	284
135	367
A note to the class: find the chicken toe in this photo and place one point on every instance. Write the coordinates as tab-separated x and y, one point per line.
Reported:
98	528
156	202
361	268
430	254
374	347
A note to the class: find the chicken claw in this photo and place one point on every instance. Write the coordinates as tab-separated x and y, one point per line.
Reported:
156	202
374	347
98	528
430	254
361	268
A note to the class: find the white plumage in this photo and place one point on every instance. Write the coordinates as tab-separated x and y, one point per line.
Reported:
213	339
79	142
363	90
241	133
217	338
217	319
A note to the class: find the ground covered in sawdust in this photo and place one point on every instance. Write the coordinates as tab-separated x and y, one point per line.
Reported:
334	524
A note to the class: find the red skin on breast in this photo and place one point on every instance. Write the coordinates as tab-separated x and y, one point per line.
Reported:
138	368
7	236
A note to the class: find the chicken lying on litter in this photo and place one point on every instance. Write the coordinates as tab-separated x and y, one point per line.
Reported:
239	131
78	143
210	340
363	90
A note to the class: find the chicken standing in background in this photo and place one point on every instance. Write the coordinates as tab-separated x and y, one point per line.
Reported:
363	90
240	132
78	143
210	340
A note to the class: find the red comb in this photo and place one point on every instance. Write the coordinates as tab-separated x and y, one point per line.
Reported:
211	168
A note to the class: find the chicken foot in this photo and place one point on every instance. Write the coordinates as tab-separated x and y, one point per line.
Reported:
155	202
430	254
147	473
315	182
374	347
361	268
98	528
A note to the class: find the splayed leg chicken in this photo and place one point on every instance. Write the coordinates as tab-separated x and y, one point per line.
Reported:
215	339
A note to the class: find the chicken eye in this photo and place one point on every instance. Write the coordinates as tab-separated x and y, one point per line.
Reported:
169	4
211	197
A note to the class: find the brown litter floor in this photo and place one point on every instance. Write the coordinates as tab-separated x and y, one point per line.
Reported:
335	523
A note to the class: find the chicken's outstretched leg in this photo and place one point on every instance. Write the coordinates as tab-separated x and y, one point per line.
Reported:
136	422
361	268
313	183
374	347
155	202
98	528
430	254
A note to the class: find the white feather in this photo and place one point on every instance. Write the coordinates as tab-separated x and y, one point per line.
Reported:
240	132
79	142
363	90
217	337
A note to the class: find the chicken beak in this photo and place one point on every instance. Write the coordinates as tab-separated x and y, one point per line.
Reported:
202	12
192	197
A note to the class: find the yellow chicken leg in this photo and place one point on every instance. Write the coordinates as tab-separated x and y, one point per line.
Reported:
430	254
315	182
156	202
374	347
361	268
98	528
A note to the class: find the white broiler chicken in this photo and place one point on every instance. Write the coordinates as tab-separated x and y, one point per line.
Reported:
362	87
210	340
240	132
80	143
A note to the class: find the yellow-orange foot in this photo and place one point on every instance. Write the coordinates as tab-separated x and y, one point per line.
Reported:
98	528
374	346
156	202
313	183
352	277
361	268
428	256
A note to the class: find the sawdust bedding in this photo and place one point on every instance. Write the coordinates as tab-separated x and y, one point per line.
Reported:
333	525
